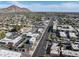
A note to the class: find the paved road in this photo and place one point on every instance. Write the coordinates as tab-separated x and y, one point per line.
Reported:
40	50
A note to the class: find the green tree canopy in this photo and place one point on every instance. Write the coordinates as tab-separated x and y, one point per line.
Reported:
2	34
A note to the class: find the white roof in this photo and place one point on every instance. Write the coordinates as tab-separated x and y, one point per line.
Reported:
25	30
70	28
75	46
54	52
77	29
7	53
32	40
3	28
35	35
40	29
54	49
29	33
14	41
55	25
63	34
54	45
71	34
6	40
70	53
8	34
32	34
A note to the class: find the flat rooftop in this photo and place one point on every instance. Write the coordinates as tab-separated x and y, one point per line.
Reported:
71	34
14	41
8	53
63	34
65	27
70	53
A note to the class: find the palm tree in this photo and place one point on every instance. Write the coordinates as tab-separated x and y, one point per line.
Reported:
51	37
60	46
2	34
74	39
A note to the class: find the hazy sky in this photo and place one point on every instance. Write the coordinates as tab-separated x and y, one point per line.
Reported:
51	6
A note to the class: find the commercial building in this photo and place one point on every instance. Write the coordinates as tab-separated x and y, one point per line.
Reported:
14	39
70	53
8	53
54	49
65	28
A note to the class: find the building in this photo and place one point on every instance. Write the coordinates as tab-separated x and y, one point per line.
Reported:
13	38
8	53
72	35
75	46
63	34
65	28
40	30
70	53
54	26
34	36
54	50
25	30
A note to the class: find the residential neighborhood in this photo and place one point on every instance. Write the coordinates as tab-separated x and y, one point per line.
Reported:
39	29
64	38
21	35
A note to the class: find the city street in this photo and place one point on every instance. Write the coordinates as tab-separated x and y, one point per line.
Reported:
41	48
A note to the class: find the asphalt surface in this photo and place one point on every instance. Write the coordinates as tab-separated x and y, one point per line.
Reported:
41	48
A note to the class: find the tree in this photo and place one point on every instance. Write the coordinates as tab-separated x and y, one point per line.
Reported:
73	40
2	34
10	46
50	37
18	27
60	46
37	18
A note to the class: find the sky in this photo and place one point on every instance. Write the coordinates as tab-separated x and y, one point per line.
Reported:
44	6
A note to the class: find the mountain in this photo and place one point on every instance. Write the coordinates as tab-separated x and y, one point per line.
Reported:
14	8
